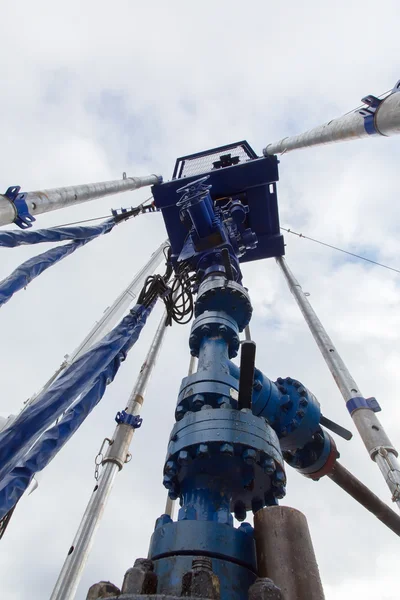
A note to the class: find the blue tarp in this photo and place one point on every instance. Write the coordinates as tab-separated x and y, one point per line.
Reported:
79	378
17	481
33	267
11	239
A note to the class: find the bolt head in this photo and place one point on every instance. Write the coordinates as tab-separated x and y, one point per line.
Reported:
269	466
168	482
279	493
257	385
227	449
249	456
246	528
239	511
170	467
198	401
183	457
202	451
303	402
180	413
163	520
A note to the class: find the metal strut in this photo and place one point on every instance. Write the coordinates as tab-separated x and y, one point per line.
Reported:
362	410
114	460
35	203
378	117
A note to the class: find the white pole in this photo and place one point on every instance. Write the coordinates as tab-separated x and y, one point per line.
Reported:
380	120
110	316
379	447
116	457
46	200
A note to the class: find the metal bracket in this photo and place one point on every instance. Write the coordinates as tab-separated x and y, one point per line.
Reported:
359	402
23	219
133	420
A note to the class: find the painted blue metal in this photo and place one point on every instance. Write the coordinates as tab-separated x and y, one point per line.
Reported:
133	420
23	218
12	239
83	374
372	103
359	402
316	458
250	182
220	459
203	538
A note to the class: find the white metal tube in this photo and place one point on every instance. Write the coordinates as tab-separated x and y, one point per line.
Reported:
386	122
116	457
46	200
110	316
369	427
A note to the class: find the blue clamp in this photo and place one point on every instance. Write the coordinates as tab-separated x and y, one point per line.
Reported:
133	420
372	103
359	402
23	219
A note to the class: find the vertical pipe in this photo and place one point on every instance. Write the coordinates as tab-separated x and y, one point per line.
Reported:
68	580
369	427
170	504
285	553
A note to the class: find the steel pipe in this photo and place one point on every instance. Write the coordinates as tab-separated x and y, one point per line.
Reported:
114	460
47	200
357	490
285	553
384	120
379	446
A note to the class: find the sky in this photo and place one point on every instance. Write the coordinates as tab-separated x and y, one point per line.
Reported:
93	89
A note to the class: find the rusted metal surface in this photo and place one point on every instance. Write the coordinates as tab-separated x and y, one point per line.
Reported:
285	553
357	490
103	589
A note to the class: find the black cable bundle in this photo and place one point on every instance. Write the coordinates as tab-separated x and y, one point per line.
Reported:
178	298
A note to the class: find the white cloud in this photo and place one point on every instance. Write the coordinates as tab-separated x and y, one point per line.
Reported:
93	89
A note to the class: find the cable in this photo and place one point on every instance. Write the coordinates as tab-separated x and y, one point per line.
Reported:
177	296
341	250
104	217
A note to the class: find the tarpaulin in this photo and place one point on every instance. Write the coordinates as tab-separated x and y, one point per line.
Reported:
11	239
84	376
33	267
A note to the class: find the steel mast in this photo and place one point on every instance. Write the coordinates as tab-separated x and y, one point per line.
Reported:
17	207
379	117
362	410
114	460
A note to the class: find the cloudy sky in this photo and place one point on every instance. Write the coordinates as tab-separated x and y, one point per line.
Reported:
91	89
